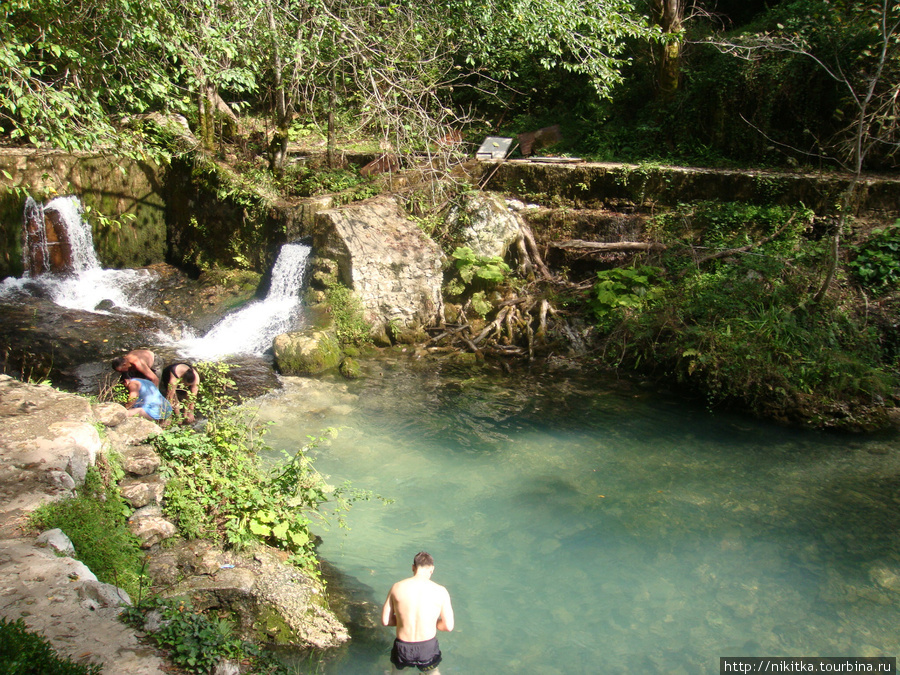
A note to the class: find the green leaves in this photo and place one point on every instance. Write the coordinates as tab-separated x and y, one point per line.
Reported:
876	261
623	288
471	266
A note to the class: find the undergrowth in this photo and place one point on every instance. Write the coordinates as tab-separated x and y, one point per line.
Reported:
742	328
221	486
94	521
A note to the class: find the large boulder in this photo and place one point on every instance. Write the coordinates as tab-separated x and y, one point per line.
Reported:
391	265
485	224
276	602
47	441
306	352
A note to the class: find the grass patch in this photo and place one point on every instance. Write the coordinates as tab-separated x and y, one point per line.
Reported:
27	653
95	522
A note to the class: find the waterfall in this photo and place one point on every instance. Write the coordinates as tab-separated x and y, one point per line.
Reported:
85	285
77	232
80	282
250	330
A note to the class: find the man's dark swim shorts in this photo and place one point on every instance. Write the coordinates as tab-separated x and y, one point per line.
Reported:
425	655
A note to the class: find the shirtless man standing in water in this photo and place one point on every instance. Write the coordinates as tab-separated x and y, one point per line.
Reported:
419	608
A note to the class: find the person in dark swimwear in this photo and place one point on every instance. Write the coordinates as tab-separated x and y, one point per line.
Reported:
180	383
145	400
419	608
137	363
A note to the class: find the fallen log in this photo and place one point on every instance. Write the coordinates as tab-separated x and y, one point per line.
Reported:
592	246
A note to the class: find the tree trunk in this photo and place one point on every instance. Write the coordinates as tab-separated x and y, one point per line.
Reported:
278	146
669	14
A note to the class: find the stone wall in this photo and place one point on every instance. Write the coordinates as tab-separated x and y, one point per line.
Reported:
109	185
596	185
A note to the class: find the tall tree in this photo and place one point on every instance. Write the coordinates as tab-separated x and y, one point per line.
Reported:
669	15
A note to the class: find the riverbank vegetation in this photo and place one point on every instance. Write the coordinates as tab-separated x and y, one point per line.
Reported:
765	307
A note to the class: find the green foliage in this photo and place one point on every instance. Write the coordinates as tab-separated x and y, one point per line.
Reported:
217	390
347	311
740	329
95	523
27	653
876	261
220	488
195	641
622	289
489	269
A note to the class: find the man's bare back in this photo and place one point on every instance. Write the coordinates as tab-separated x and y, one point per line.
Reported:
419	608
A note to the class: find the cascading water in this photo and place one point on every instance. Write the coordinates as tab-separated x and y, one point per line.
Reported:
251	330
78	232
86	286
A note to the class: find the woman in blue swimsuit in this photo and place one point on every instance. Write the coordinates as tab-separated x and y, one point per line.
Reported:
145	400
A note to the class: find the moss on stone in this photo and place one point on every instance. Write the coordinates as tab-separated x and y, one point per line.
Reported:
306	353
350	368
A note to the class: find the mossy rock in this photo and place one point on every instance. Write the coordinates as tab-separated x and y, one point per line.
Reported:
306	352
350	368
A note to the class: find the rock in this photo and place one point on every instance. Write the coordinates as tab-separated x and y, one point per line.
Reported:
96	595
151	530
143	490
49	593
133	431
306	352
274	600
199	557
225	667
140	460
486	224
410	335
390	264
350	368
109	414
60	480
47	441
56	540
162	567
885	576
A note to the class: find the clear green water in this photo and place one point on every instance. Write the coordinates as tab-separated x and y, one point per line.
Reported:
584	526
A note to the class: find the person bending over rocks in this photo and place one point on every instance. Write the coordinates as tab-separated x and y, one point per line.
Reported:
180	383
419	608
137	363
146	400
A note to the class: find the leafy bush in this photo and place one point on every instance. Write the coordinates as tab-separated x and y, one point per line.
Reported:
490	269
219	488
876	262
623	288
742	329
196	641
27	653
95	523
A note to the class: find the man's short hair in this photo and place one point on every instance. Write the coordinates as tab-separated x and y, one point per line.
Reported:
118	362
423	559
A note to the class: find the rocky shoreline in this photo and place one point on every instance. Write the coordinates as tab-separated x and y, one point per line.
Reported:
48	439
